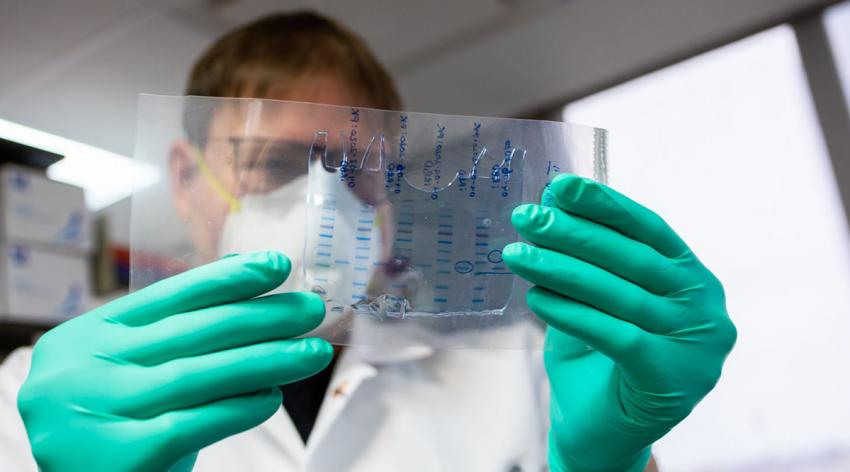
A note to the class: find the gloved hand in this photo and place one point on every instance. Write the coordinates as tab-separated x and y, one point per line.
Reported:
638	329
157	375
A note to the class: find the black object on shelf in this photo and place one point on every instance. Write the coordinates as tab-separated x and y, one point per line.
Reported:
17	153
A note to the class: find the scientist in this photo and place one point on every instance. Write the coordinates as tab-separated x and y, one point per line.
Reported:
637	329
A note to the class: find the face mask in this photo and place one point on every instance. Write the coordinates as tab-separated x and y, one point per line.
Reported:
270	221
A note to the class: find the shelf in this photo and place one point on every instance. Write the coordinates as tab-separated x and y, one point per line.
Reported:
18	333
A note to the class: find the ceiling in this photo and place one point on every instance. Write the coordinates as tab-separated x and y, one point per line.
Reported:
75	67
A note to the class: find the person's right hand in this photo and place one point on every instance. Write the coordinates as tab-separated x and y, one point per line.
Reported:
159	374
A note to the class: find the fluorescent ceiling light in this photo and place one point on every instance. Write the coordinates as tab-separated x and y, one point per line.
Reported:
105	176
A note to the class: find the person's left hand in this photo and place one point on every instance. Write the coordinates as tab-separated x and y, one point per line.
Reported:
638	329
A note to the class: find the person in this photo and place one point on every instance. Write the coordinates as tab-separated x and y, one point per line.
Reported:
636	329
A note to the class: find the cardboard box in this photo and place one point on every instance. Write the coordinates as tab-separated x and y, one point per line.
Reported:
42	286
38	210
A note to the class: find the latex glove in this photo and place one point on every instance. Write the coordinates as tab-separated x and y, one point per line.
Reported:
638	329
157	375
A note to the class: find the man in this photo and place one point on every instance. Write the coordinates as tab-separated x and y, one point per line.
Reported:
637	328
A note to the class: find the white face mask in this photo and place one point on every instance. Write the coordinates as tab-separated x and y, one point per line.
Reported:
271	221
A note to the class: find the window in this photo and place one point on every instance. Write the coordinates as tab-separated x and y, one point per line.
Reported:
727	147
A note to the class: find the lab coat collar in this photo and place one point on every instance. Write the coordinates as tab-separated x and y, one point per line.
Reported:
357	364
380	355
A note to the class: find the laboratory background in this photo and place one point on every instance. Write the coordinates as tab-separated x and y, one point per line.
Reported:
729	118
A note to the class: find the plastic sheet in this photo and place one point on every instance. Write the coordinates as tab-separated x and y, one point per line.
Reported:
396	219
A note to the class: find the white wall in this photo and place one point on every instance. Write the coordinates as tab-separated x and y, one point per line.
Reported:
727	148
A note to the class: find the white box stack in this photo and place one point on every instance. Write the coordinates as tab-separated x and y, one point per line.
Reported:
45	243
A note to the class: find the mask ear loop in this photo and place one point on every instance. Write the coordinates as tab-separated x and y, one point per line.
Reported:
232	202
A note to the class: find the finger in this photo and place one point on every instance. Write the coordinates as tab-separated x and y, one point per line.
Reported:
182	383
592	285
561	346
221	327
188	430
226	280
606	206
599	245
617	339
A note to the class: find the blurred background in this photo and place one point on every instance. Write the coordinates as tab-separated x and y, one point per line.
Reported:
729	118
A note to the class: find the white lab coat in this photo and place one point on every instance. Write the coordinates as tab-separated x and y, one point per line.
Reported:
385	410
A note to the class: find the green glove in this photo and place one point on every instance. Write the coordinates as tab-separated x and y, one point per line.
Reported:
157	375
638	329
